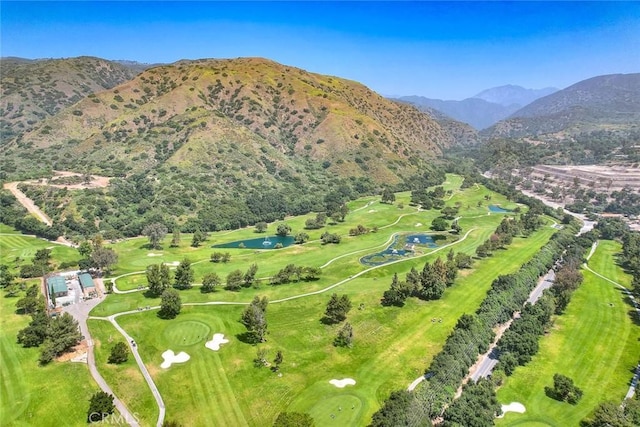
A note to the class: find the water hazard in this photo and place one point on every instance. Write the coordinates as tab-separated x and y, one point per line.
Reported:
268	242
402	246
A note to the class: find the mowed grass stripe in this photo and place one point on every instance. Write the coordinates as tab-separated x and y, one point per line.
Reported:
595	343
14	395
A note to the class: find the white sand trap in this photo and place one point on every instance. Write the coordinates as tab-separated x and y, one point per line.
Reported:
214	344
170	358
343	382
513	407
418	224
172	264
372	211
152	254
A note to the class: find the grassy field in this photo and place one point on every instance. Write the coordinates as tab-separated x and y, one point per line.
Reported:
392	345
17	249
31	394
392	348
595	342
124	379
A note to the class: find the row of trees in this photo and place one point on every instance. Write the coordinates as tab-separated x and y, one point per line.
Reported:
473	333
294	273
430	284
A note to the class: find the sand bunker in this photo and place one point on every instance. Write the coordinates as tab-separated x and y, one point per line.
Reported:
343	382
172	264
418	224
170	358
372	211
513	407
152	254
214	344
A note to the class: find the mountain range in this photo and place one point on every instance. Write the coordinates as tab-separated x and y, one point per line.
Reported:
609	102
485	108
219	143
249	111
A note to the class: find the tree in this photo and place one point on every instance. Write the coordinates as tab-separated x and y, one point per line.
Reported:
85	248
293	419
250	276
261	227
210	282
158	278
36	332
63	333
337	309
235	279
261	358
32	302
301	238
6	277
199	236
100	407
344	337
330	238
184	275
439	224
170	304
397	293
283	229
277	361
155	232
388	196
119	353
175	240
433	280
255	320
455	227
104	258
564	389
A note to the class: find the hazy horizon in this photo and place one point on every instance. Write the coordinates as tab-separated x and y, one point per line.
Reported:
443	50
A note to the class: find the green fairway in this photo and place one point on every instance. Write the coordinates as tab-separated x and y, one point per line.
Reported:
31	394
393	346
595	342
124	379
17	249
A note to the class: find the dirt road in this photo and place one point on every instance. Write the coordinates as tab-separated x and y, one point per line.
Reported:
27	202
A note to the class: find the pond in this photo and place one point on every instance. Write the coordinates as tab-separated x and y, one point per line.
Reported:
498	209
268	242
402	246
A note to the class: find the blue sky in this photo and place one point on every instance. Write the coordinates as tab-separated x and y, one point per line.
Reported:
447	50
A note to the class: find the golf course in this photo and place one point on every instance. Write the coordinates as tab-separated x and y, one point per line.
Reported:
214	379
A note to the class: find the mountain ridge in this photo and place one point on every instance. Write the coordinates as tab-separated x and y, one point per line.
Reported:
599	103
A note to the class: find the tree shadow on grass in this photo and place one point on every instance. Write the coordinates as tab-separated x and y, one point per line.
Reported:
248	338
633	314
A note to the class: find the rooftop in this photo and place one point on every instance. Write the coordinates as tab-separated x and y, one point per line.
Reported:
57	283
86	281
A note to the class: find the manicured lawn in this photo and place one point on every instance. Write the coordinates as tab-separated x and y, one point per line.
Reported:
32	394
595	342
19	247
124	379
392	348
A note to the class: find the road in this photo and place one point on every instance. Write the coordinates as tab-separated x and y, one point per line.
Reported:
80	312
488	361
27	202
